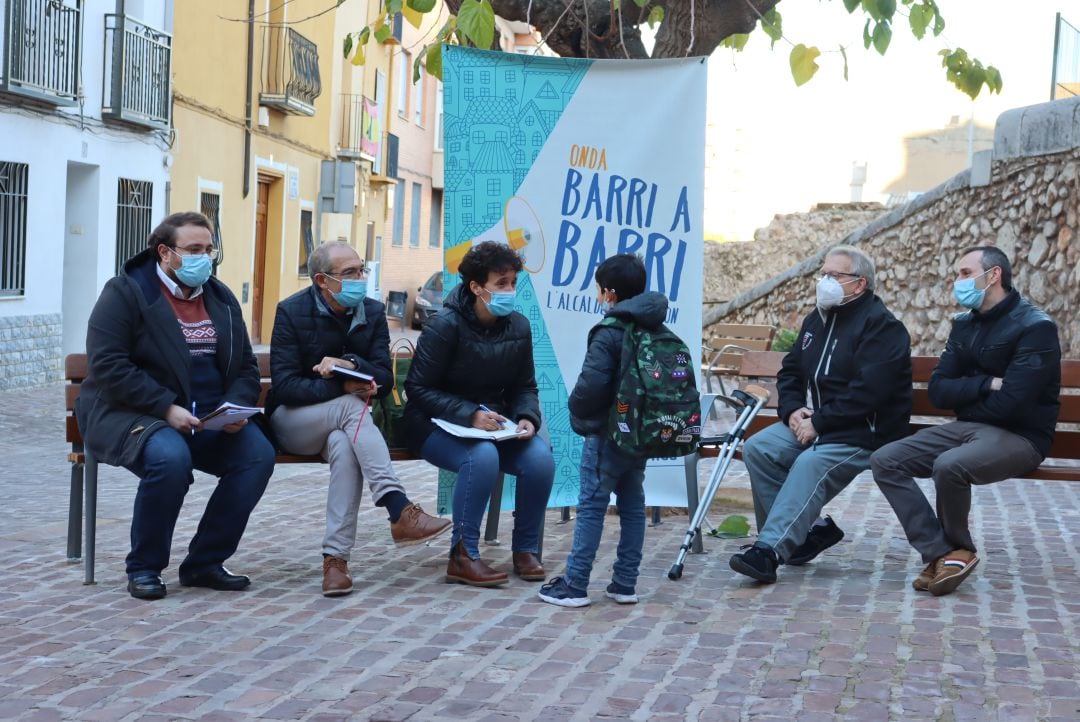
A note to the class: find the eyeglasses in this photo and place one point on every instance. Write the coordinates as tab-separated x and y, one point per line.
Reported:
837	275
213	253
350	274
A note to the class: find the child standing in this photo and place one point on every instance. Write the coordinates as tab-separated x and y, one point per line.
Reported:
604	467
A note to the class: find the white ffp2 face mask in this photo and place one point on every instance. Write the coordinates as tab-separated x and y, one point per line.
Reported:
829	293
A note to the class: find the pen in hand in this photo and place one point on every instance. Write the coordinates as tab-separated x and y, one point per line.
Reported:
193	414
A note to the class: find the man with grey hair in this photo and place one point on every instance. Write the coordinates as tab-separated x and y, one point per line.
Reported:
315	408
844	390
1001	374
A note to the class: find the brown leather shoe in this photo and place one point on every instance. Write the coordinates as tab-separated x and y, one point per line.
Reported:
921	583
475	572
336	581
415	526
528	567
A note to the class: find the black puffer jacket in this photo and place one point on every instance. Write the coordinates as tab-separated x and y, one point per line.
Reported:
306	331
139	363
852	367
1014	341
461	363
594	393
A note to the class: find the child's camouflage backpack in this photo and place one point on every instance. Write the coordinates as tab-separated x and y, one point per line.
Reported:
657	410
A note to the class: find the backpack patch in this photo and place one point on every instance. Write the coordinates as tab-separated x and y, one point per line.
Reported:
657	412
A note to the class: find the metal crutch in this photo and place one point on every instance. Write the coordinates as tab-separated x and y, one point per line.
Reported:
752	401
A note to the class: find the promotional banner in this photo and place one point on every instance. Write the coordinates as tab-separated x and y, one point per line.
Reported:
570	161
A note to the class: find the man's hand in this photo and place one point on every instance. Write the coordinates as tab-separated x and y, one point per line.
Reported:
805	431
995	383
796	417
361	388
525	429
487	420
182	420
234	426
325	368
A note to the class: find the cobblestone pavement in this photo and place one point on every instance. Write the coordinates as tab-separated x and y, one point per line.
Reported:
844	637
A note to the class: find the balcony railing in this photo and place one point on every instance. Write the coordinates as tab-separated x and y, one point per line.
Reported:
361	135
137	73
41	50
290	71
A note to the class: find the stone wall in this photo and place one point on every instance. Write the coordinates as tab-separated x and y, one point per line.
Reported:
29	351
1028	206
732	268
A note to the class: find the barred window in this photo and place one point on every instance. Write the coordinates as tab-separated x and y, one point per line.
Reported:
210	206
307	241
13	186
134	205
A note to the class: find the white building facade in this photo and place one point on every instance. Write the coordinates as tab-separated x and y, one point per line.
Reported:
85	99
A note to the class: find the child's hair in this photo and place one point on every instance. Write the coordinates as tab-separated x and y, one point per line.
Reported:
623	273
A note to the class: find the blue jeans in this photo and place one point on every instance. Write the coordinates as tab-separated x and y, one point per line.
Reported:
605	469
243	462
792	482
478	464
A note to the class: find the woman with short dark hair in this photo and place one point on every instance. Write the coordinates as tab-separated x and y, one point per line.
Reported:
474	368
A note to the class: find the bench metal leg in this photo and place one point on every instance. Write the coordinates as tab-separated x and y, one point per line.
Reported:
75	510
690	462
90	476
655	517
491	530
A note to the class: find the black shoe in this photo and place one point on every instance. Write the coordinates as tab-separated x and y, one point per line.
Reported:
818	540
146	585
217	578
757	562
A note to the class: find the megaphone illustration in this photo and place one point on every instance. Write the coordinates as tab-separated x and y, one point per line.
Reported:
519	228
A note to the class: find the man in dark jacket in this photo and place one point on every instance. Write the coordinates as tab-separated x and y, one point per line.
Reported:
317	410
1001	374
166	343
844	390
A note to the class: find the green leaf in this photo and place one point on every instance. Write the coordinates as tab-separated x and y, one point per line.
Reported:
641	3
803	63
447	28
656	16
850	5
887	8
421	6
871	8
365	35
417	67
993	79
358	57
843	54
617	5
434	60
383	32
348	45
736	41
735	526
882	37
393	7
919	19
939	22
772	24
476	20
866	38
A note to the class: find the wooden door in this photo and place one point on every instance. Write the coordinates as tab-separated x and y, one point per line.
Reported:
258	282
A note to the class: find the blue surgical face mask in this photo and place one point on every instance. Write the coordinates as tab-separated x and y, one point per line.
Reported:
352	292
501	303
967	295
194	271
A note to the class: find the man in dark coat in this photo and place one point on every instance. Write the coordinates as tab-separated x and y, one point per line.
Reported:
1001	374
317	410
167	343
844	390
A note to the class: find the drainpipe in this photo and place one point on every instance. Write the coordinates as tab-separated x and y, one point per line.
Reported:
247	103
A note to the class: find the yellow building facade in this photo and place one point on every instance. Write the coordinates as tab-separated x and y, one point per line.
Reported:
267	143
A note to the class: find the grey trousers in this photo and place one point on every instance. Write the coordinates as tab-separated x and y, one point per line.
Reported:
792	483
955	455
328	429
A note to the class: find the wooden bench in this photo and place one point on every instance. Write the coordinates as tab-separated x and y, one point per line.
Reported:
761	368
726	344
82	501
